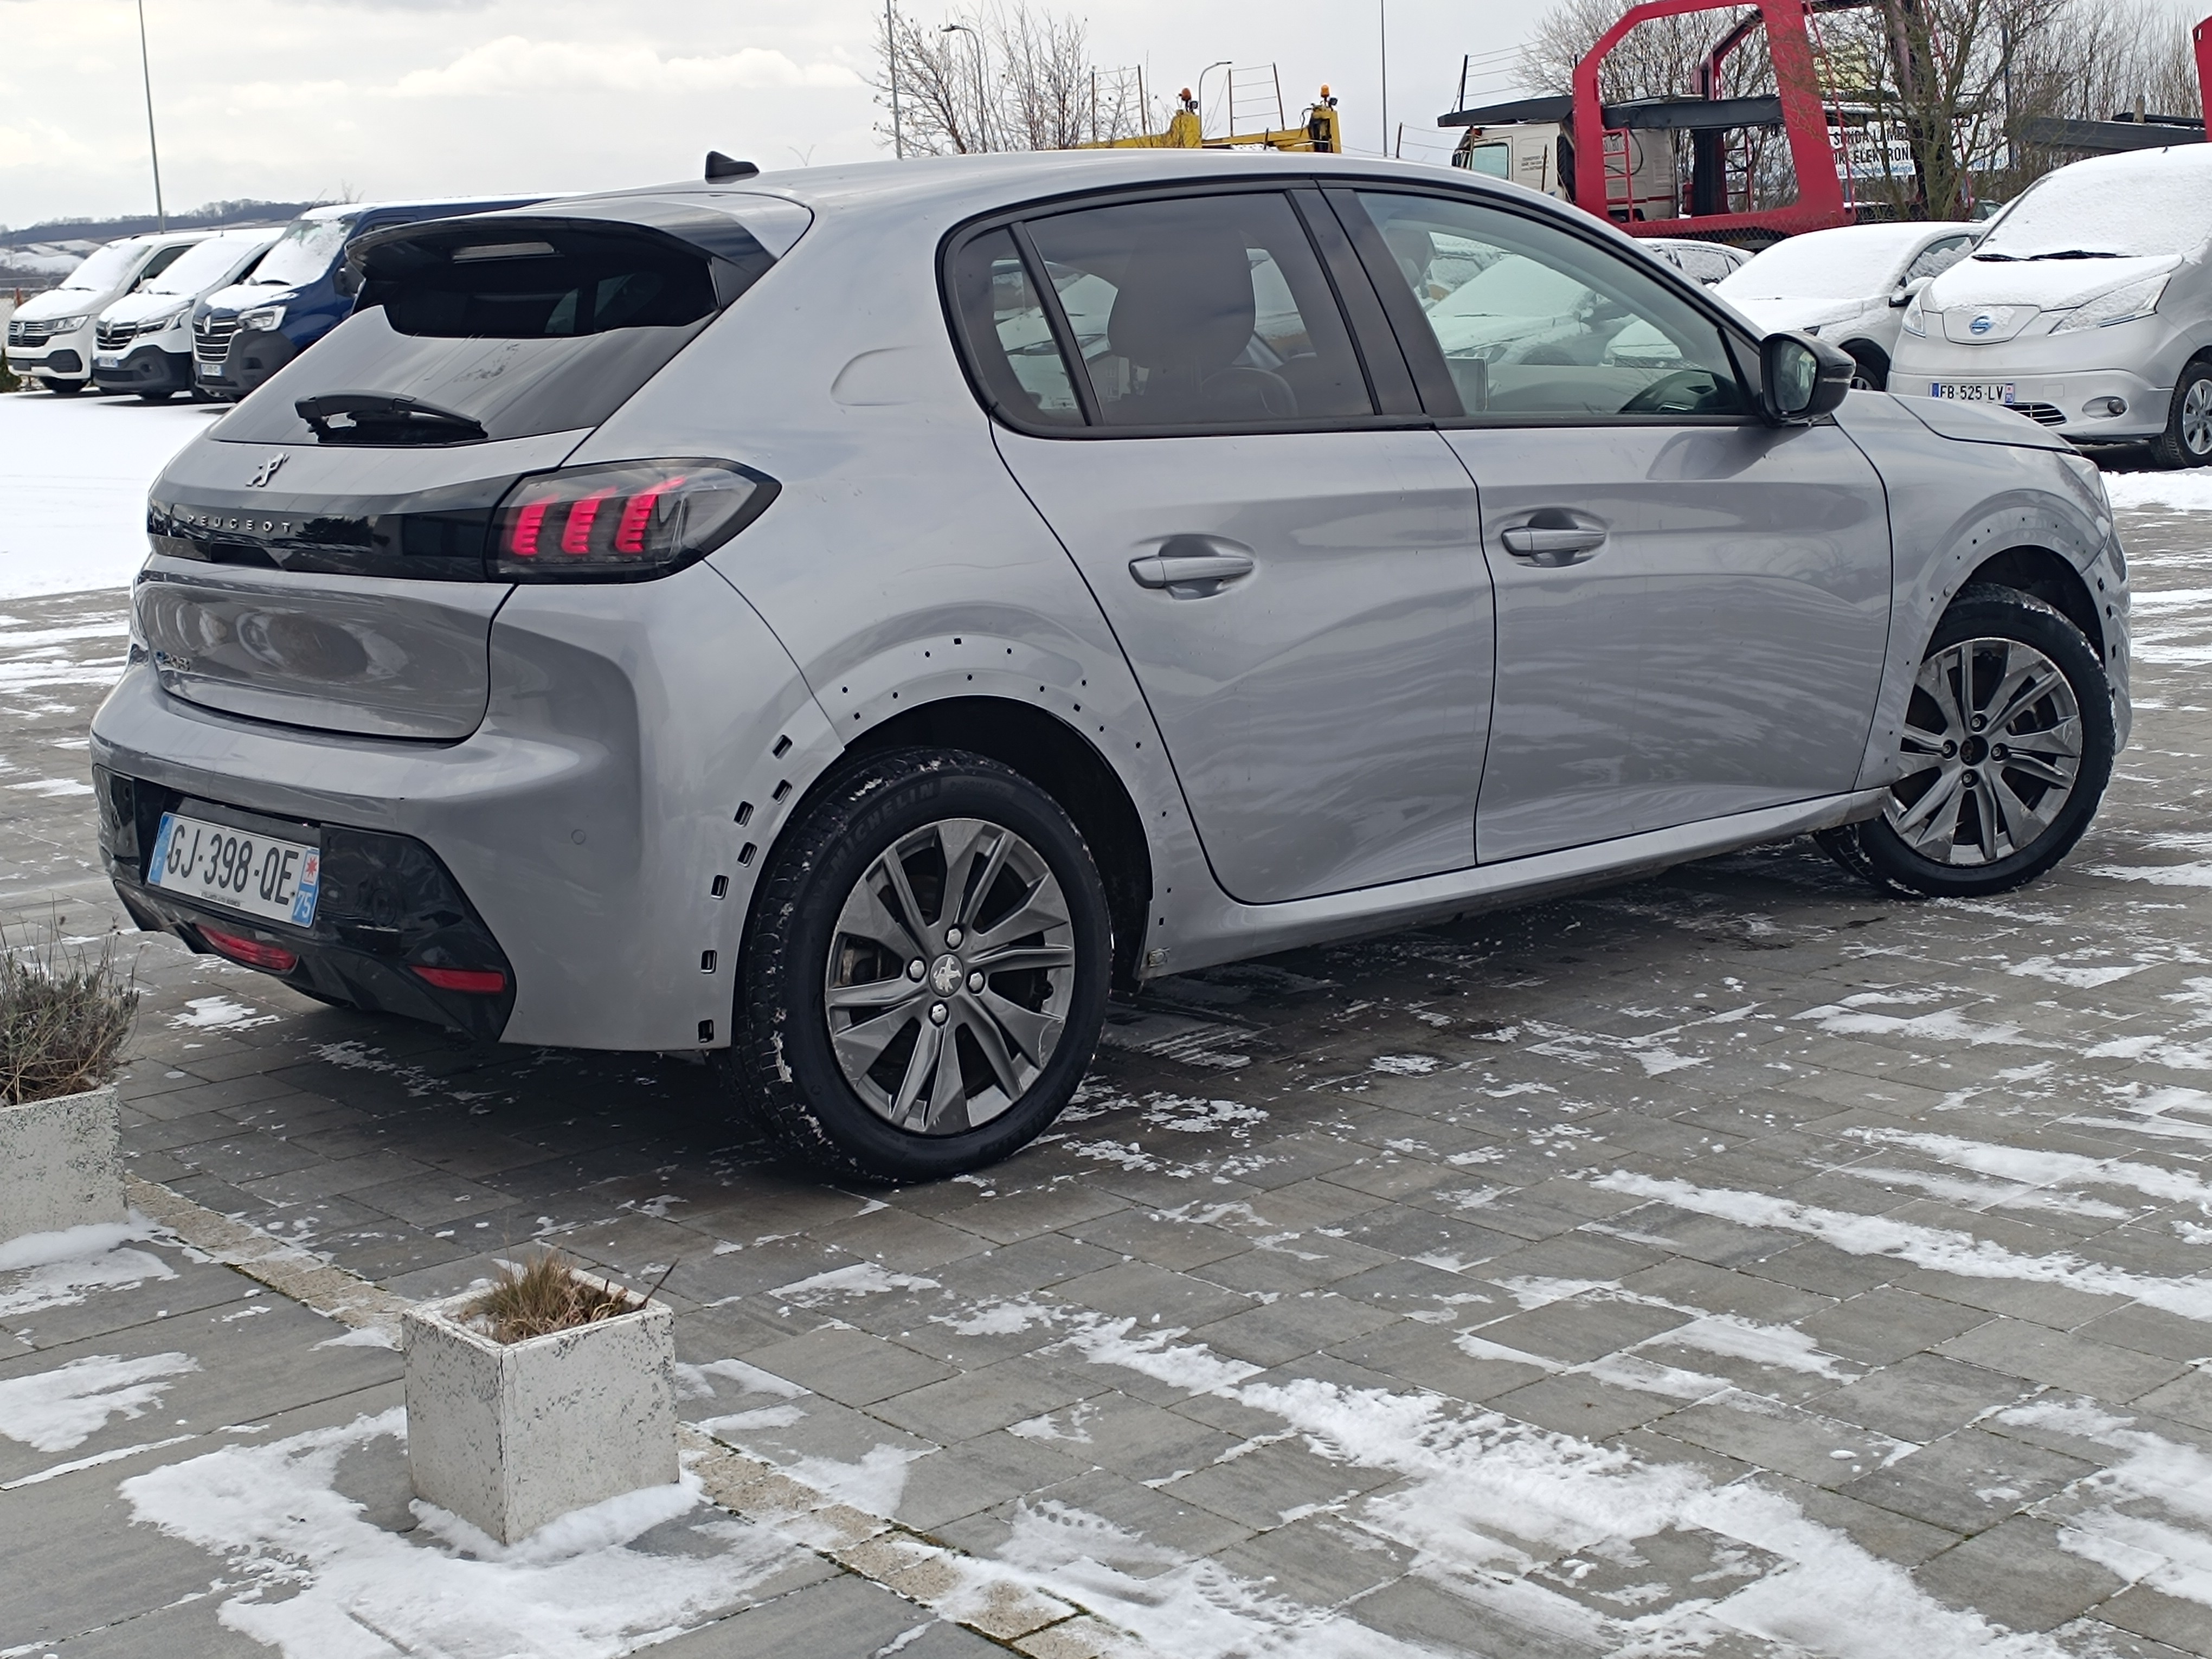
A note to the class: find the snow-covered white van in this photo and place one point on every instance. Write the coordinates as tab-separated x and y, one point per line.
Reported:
50	336
2088	307
144	341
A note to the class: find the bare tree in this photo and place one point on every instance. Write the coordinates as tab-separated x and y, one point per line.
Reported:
1002	78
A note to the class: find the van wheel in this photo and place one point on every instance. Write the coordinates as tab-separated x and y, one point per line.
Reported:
1873	371
64	388
927	970
2187	440
2009	743
162	396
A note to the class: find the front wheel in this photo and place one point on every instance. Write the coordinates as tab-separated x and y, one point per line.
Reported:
2009	743
64	388
926	973
1872	373
2187	440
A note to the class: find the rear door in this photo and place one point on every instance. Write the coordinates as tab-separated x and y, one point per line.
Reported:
1691	606
1291	565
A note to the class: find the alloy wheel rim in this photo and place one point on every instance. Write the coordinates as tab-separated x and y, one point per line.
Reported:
2197	417
950	975
1993	737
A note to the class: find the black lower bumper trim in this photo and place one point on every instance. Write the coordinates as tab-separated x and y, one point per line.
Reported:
386	906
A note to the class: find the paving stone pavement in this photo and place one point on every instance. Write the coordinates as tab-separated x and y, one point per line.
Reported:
1739	1262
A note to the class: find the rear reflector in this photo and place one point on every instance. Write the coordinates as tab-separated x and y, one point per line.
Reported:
253	952
478	982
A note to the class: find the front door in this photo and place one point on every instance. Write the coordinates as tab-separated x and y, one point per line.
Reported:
1297	585
1692	605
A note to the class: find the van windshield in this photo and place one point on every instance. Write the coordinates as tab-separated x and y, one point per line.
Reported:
2096	209
203	265
105	270
307	249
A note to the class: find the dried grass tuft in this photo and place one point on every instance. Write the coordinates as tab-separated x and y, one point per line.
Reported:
65	1013
544	1294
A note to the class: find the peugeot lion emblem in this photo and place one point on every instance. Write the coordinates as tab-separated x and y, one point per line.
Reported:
265	471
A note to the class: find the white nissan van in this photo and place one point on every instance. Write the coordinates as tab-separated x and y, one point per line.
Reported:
2088	307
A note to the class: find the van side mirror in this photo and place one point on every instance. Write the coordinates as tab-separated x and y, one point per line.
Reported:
347	281
1906	291
1802	378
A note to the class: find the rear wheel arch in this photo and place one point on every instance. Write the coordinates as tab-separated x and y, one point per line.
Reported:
1061	762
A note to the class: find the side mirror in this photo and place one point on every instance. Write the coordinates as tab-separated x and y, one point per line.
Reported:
1802	378
347	281
1906	292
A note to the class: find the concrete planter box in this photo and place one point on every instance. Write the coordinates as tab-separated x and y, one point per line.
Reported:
510	1435
60	1164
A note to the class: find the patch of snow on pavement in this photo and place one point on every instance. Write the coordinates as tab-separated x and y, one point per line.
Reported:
875	1484
219	1014
2181	492
1940	1249
2169	1553
322	1582
861	1278
74	475
52	1411
58	1270
2031	1166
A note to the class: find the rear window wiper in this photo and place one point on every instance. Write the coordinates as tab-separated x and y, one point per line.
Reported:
385	417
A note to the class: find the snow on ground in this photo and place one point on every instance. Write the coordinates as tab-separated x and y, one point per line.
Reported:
2181	492
74	473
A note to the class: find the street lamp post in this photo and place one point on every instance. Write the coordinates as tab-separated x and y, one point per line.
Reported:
1219	62
153	149
890	53
1383	59
982	119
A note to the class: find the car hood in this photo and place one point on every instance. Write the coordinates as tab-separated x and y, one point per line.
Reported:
136	307
1784	314
59	302
244	296
1977	423
2045	284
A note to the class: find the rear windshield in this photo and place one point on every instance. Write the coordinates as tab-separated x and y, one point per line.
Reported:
503	331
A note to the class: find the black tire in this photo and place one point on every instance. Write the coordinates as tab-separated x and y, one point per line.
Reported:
1873	365
1878	853
64	388
160	396
782	1063
2187	440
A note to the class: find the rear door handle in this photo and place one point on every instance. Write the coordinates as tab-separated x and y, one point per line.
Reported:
1190	569
1552	543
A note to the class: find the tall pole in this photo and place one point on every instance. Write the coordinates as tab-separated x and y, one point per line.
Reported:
1383	58
983	115
153	149
1219	62
890	53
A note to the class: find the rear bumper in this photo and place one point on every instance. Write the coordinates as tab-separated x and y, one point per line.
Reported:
387	907
606	822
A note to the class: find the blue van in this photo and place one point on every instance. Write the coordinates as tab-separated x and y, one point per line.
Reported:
300	292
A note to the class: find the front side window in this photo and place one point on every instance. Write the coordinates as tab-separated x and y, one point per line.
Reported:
1209	312
1938	256
1534	323
1492	160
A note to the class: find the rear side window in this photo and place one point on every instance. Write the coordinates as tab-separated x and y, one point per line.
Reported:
466	331
1208	313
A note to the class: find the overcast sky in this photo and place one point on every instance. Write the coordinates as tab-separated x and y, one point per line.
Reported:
285	100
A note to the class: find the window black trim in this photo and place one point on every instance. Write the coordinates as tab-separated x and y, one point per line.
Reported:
1063	333
1013	219
1439	394
1389	381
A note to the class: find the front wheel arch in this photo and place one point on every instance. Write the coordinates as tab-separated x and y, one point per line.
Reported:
1873	362
2042	575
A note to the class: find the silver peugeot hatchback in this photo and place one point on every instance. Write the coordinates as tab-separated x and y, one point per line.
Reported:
854	622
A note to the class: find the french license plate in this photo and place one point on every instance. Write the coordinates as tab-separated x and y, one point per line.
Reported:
1972	391
210	371
106	360
273	879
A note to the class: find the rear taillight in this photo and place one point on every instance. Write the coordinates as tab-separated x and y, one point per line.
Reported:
253	952
477	982
625	521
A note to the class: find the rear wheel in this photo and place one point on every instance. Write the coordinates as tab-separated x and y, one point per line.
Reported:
2187	440
2009	742
926	973
64	388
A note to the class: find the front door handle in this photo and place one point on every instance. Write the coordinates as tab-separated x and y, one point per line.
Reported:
1190	567
1552	538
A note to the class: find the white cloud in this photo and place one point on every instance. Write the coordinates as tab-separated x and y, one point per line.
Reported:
513	64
